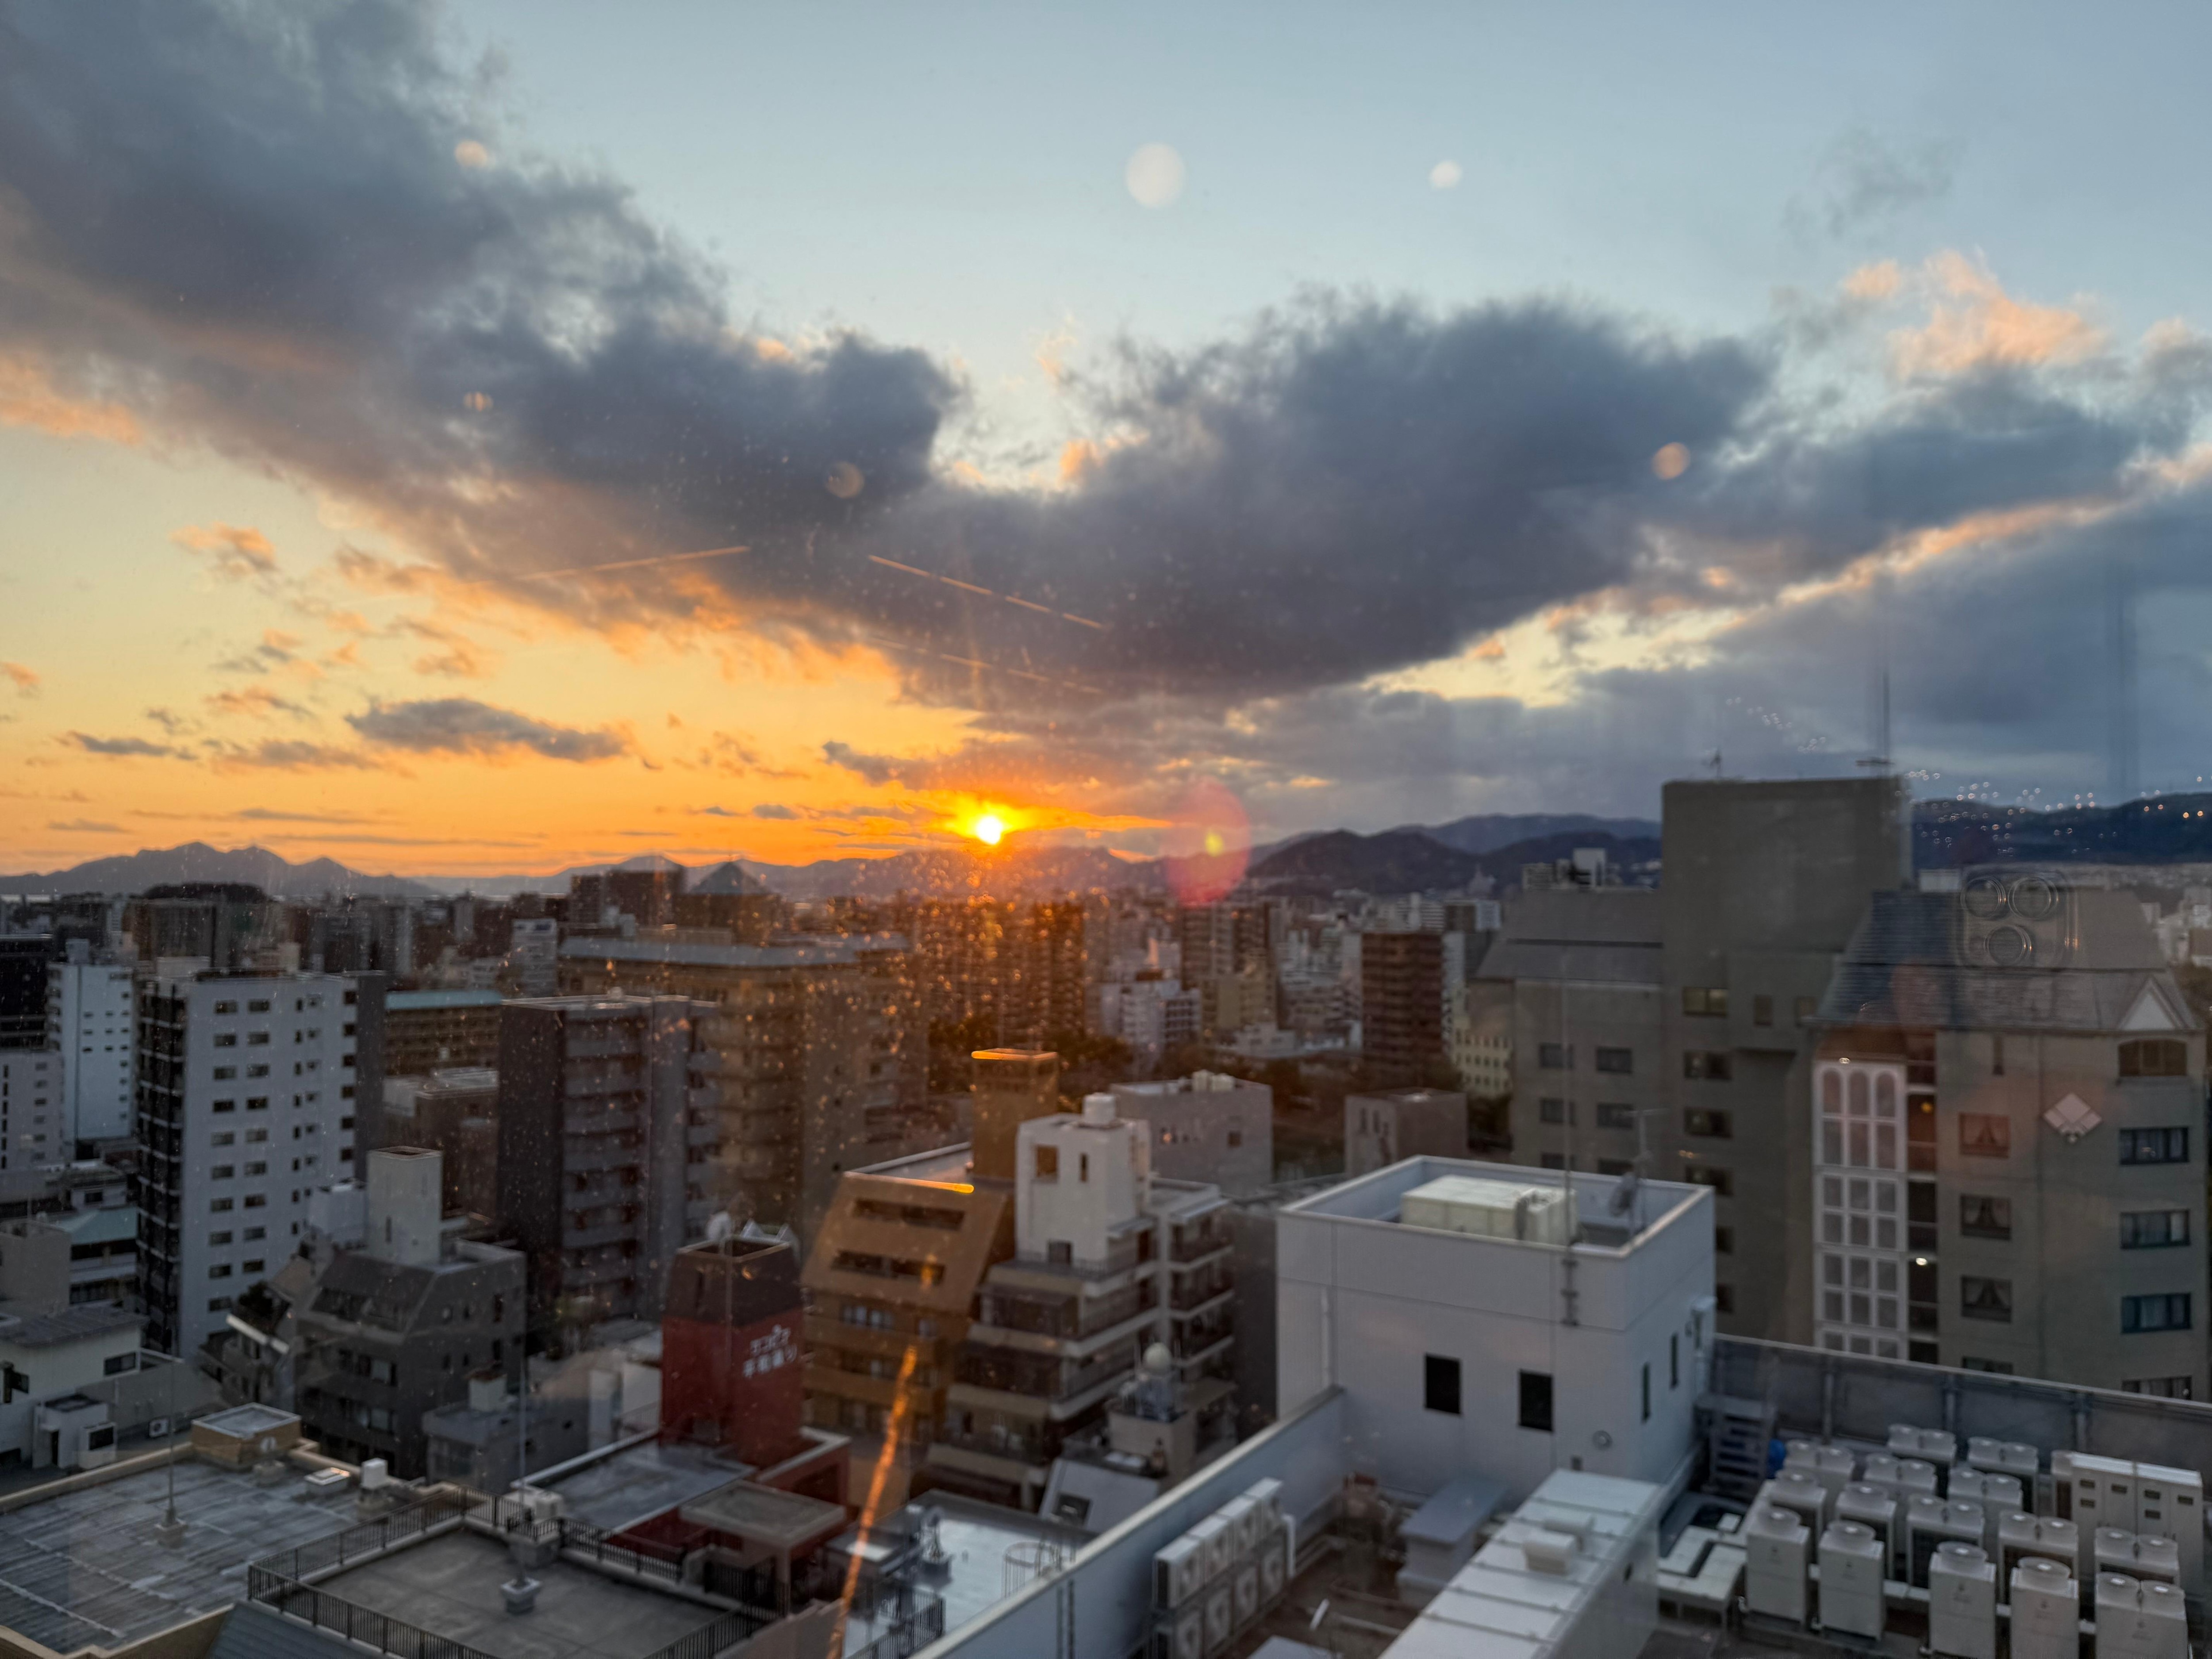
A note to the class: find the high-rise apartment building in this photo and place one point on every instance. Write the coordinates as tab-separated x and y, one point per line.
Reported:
90	1025
1401	977
432	1030
228	925
606	1136
246	1104
1005	972
33	1113
815	1051
2003	1120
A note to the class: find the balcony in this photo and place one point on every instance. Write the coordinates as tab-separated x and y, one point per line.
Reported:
1199	1291
598	1235
576	1274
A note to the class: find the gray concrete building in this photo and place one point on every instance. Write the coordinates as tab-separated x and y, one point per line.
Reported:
1206	1127
396	1328
607	1130
1381	1128
2003	1117
1576	979
1764	883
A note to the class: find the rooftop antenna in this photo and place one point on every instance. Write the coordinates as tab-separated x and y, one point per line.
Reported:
2120	595
1879	760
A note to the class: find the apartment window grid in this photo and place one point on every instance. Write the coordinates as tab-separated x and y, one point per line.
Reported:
1859	1189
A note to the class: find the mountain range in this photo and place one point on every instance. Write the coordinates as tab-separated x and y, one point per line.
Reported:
2173	829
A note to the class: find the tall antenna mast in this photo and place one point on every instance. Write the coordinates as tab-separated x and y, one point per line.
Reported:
2122	761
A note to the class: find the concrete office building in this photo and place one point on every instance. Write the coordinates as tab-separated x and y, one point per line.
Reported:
1461	1345
606	1133
1208	1127
396	1328
1574	980
1109	1260
246	1099
1764	884
1383	1127
2002	1119
815	1052
428	1031
89	1014
229	926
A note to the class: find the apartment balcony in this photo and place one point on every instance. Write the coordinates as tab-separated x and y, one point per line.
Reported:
577	1274
1189	1297
1199	1247
584	1048
762	1163
702	1134
598	1236
624	1122
583	1160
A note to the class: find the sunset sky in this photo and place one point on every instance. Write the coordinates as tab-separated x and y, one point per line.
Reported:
1355	417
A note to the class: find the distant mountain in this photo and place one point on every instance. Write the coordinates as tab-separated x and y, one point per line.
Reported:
1489	831
729	877
2169	830
197	861
1395	861
1635	859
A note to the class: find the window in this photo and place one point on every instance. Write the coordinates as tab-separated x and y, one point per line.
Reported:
1722	1182
226	1007
2167	1312
1802	1011
1554	1111
1440	1385
1762	1011
223	1172
2162	1387
225	1040
1724	1298
218	1205
1981	1217
217	1240
117	1364
2154	1057
1555	1056
1711	1067
1647	1393
1723	1241
1984	1134
2153	1230
225	1138
2154	1146
1622	1062
1674	1362
1986	1299
220	1270
1997	1055
1612	1114
1047	1163
225	1073
1968	1363
257	1005
1536	1401
225	1106
1705	1001
1706	1125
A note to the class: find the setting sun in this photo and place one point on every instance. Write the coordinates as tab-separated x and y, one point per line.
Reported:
988	828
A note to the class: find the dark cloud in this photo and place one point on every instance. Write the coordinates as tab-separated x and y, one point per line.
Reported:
291	755
462	725
1863	180
876	768
86	826
93	745
772	810
253	214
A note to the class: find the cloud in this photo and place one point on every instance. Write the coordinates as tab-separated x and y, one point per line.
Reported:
29	398
123	746
773	809
1976	325
462	725
24	680
462	658
86	826
1863	181
235	551
291	755
174	724
876	768
258	702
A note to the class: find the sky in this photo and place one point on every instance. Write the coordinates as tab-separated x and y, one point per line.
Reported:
498	436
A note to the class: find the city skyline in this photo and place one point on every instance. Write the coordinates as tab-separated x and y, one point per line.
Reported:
739	483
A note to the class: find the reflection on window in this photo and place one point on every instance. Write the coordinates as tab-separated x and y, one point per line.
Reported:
2165	1312
1984	1134
1713	1066
2154	1057
1986	1299
1622	1061
1983	1216
1704	1001
2153	1230
2154	1146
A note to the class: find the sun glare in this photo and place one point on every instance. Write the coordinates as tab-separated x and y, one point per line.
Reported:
988	828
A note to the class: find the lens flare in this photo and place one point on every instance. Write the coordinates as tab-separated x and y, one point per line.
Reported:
1208	844
990	828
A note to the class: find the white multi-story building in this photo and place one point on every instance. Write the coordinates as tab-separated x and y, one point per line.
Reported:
33	1128
245	1107
534	956
88	1025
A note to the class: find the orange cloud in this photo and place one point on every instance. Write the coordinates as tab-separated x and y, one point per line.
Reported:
26	679
28	398
236	551
258	702
1974	323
